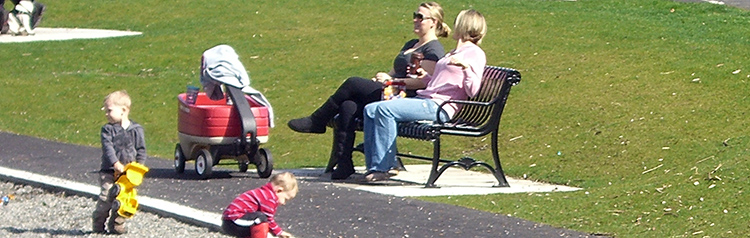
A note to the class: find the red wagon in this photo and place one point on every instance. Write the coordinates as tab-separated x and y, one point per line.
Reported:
212	130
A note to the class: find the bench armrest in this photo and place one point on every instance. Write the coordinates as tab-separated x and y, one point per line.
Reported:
440	122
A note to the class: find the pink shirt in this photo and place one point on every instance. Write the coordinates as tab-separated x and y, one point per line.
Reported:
451	81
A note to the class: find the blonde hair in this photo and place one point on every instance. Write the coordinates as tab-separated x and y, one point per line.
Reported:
470	26
436	12
285	181
118	98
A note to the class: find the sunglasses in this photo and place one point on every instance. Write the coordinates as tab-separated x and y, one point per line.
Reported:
420	17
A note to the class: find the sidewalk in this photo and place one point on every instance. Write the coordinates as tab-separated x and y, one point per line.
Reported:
744	4
321	209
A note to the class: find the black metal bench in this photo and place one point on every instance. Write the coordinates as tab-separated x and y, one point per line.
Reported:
479	116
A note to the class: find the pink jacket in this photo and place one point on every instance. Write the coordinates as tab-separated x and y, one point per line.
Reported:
451	81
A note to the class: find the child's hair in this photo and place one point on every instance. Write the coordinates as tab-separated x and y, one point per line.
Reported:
286	181
470	26
118	98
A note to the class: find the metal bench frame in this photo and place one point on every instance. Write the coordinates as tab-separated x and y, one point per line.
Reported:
478	116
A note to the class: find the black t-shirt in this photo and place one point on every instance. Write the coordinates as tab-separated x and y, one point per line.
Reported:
433	50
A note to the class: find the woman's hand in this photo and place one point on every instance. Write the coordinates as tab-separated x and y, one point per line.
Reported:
382	77
421	73
458	62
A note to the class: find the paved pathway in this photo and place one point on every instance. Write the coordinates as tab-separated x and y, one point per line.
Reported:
744	4
320	210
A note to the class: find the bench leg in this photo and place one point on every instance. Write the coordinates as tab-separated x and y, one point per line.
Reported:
335	150
399	164
499	174
434	174
331	163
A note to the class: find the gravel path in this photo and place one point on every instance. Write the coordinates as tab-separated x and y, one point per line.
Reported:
35	212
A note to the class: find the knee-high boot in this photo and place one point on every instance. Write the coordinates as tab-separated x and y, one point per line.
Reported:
343	141
317	121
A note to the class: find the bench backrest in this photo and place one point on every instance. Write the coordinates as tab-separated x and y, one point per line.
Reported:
479	120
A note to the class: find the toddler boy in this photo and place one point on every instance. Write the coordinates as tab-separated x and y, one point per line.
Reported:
123	141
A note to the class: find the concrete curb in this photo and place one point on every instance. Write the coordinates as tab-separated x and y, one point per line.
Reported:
158	206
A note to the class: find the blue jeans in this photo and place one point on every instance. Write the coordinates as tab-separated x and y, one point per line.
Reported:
380	127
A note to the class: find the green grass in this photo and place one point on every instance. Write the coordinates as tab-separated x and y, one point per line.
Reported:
642	98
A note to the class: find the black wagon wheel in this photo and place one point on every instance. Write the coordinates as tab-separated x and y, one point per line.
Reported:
204	163
264	162
179	159
243	164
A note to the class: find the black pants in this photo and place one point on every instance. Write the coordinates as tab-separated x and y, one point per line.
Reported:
232	228
359	90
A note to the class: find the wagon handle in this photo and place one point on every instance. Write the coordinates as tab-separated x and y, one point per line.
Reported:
246	115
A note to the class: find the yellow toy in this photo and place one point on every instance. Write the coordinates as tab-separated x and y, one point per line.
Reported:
124	189
394	90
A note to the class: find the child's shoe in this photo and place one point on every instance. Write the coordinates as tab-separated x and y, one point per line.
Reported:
99	229
98	224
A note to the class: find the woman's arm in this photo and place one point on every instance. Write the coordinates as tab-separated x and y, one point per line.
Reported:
427	67
472	64
411	83
384	77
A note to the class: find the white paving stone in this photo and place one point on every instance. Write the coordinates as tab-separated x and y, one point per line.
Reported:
454	181
58	34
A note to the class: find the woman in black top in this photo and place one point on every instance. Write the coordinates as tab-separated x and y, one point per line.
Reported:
356	92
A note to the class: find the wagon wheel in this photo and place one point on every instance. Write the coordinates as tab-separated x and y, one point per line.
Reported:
179	159
264	162
249	158
243	165
204	163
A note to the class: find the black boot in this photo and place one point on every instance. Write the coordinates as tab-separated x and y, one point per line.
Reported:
306	125
344	164
343	171
317	121
343	141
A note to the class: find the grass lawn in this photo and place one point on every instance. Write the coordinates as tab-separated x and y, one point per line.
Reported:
643	103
